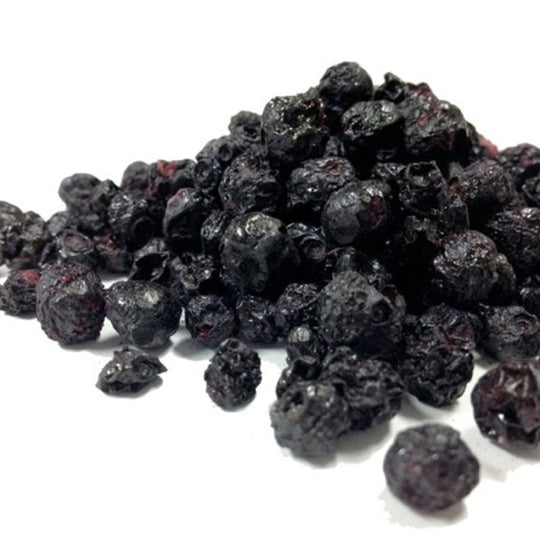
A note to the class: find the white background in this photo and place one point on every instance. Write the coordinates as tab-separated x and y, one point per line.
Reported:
92	86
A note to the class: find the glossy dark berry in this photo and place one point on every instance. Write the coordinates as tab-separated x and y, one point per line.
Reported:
102	196
72	246
151	262
136	177
521	161
301	368
304	341
341	86
359	213
61	221
130	219
506	403
70	303
18	293
433	129
422	189
435	366
185	213
246	123
310	185
371	388
469	270
212	231
257	254
309	417
256	319
210	320
354	313
192	274
143	313
510	332
486	187
529	295
312	249
372	130
233	374
531	190
516	234
249	184
392	89
115	256
23	241
129	372
179	173
293	129
298	304
340	355
430	468
77	191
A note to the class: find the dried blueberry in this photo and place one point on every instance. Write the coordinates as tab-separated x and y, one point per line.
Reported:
129	372
233	374
430	468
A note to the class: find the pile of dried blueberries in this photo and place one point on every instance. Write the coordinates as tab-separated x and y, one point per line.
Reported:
371	229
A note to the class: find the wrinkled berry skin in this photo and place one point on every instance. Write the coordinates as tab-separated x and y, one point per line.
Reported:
151	262
516	234
422	189
531	190
130	219
233	374
372	131
521	161
22	241
192	274
469	270
392	89
506	403
312	249
249	185
210	320
9	215
371	388
293	129
18	293
341	86
486	187
70	303
247	124
297	305
529	295
354	313
435	367
257	254
359	213
349	258
72	246
113	253
185	213
256	319
77	191
129	372
309	417
310	185
433	129
301	368
510	332
145	314
304	341
212	231
430	468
